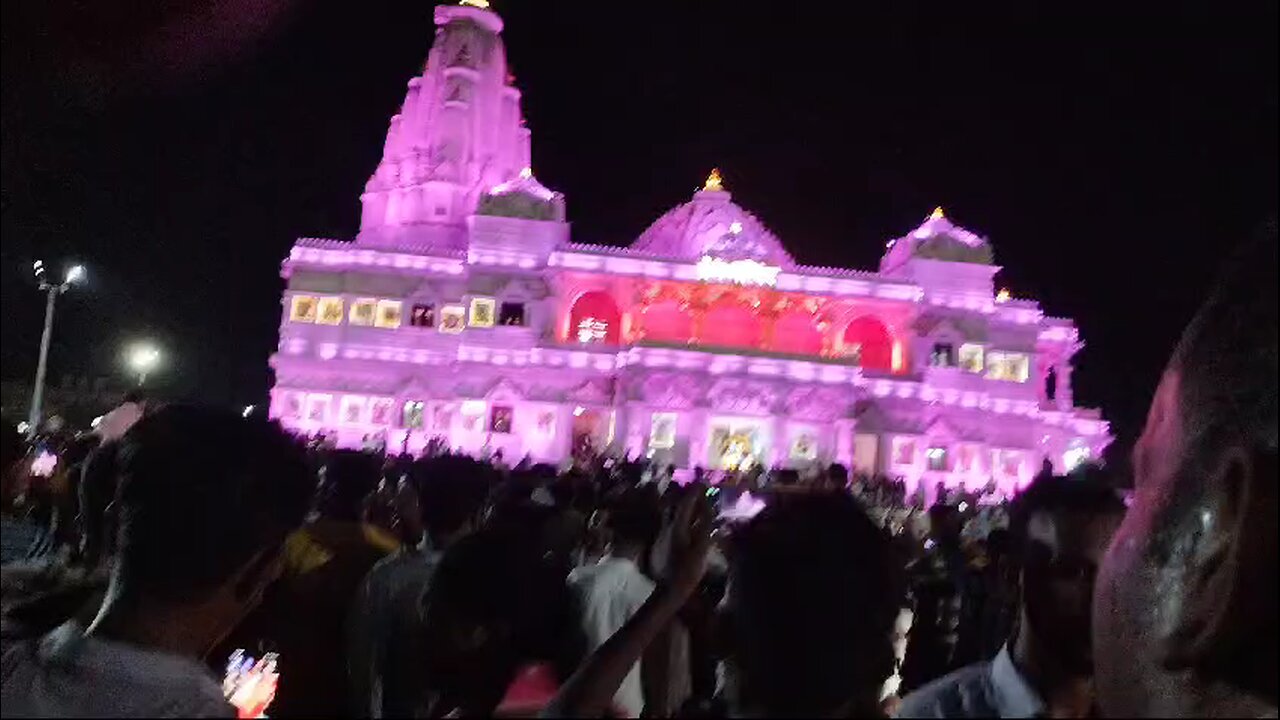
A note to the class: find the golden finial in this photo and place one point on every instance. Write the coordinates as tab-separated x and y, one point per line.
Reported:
713	183
1003	295
482	4
937	214
526	173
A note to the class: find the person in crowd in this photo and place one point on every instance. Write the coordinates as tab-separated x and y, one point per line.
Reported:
499	628
1062	527
938	583
807	621
1184	621
303	616
612	590
17	533
116	423
387	611
207	499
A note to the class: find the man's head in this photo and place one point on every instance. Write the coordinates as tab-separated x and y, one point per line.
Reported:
814	589
452	493
493	605
633	522
1062	527
206	500
348	478
133	396
1185	605
945	524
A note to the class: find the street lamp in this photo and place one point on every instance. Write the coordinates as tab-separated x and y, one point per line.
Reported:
73	275
143	358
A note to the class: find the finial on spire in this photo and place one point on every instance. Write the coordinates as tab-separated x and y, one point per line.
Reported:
526	173
713	183
1003	295
482	4
937	214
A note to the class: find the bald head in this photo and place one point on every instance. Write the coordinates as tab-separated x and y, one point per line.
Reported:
1185	604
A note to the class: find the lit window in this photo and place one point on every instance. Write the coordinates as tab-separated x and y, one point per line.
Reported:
330	311
363	311
381	411
353	409
904	451
662	431
453	319
482	311
292	406
1014	367
303	308
318	408
1009	462
511	314
937	458
1074	457
592	330
388	314
473	413
804	448
423	316
500	419
971	357
412	414
943	355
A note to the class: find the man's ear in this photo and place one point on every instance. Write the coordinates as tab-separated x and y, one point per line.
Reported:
1229	588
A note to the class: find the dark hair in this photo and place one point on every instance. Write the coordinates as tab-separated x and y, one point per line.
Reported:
451	490
1227	359
133	396
11	447
635	516
349	477
202	491
815	589
1051	494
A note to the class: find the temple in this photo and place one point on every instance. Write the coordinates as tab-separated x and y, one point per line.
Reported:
462	310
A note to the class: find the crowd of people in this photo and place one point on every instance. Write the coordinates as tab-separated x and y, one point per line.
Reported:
194	562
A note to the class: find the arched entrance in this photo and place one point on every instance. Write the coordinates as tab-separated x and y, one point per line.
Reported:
869	340
595	318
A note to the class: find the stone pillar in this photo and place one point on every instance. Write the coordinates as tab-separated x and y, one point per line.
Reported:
844	430
697	419
1063	396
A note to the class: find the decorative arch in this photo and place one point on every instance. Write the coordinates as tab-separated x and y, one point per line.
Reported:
595	308
667	321
797	332
873	343
731	324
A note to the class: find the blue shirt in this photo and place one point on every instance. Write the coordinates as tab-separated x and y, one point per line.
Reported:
982	690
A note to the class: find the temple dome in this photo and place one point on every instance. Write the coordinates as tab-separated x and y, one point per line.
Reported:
937	238
711	224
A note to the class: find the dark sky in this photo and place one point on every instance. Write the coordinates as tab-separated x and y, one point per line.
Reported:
1112	155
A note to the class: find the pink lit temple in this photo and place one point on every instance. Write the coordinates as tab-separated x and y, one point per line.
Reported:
462	310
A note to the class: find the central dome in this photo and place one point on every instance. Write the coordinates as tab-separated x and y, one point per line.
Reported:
712	225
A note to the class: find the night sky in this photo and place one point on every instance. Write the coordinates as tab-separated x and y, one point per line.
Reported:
1111	158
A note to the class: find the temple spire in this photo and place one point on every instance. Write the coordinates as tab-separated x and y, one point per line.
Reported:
937	214
713	183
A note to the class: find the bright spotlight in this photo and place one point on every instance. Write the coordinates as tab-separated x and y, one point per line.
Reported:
75	274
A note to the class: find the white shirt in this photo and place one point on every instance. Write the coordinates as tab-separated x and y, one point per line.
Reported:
115	423
982	690
65	674
610	592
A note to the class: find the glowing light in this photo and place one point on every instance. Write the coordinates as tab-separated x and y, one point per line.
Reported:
525	173
248	410
577	412
937	214
482	4
714	182
95	422
895	360
1074	457
44	464
75	273
740	272
143	358
1003	295
735	227
592	330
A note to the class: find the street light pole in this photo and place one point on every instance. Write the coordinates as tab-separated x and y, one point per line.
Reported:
42	366
74	274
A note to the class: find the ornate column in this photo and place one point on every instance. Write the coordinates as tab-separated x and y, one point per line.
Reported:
1063	397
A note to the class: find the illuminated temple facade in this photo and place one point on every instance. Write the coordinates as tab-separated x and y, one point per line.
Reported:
463	310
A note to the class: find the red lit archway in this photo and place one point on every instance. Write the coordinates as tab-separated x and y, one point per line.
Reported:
730	324
797	332
873	341
667	322
595	318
